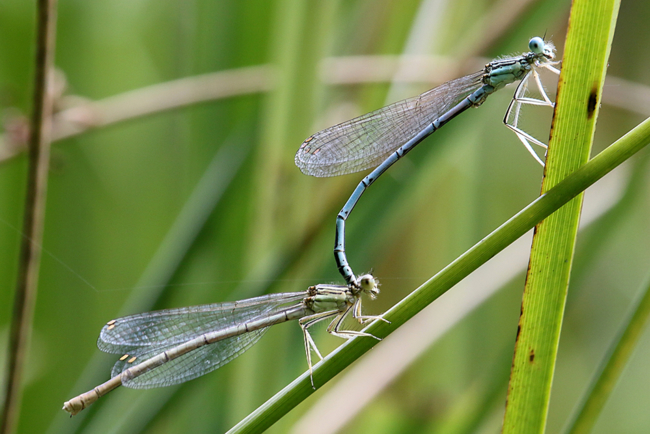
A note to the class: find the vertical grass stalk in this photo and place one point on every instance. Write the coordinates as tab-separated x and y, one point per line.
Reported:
591	29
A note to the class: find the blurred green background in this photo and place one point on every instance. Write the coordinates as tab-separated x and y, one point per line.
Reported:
204	204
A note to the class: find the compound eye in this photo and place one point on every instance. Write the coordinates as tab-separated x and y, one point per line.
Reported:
367	281
368	284
536	45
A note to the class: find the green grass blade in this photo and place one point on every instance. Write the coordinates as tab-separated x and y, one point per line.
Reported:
300	389
591	29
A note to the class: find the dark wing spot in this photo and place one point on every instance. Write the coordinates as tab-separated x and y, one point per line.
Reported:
531	356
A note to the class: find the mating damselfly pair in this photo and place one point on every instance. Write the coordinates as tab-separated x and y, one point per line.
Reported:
173	346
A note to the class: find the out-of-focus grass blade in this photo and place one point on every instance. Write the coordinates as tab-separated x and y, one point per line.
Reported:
167	259
612	366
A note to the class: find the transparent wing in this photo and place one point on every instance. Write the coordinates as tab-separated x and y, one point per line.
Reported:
189	366
364	142
143	333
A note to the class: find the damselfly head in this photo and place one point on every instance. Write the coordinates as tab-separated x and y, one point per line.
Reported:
538	46
369	285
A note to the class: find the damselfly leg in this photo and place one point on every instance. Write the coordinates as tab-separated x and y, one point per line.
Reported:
512	116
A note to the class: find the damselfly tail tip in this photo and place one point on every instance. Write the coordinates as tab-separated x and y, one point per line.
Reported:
72	407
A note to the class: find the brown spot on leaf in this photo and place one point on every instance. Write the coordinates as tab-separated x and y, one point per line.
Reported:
592	102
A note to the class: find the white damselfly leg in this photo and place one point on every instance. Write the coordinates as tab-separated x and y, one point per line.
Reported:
335	326
310	345
346	301
511	118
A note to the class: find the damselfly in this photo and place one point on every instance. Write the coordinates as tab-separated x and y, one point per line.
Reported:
172	346
380	138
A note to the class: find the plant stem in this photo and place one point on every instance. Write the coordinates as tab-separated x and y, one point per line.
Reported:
591	30
30	249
